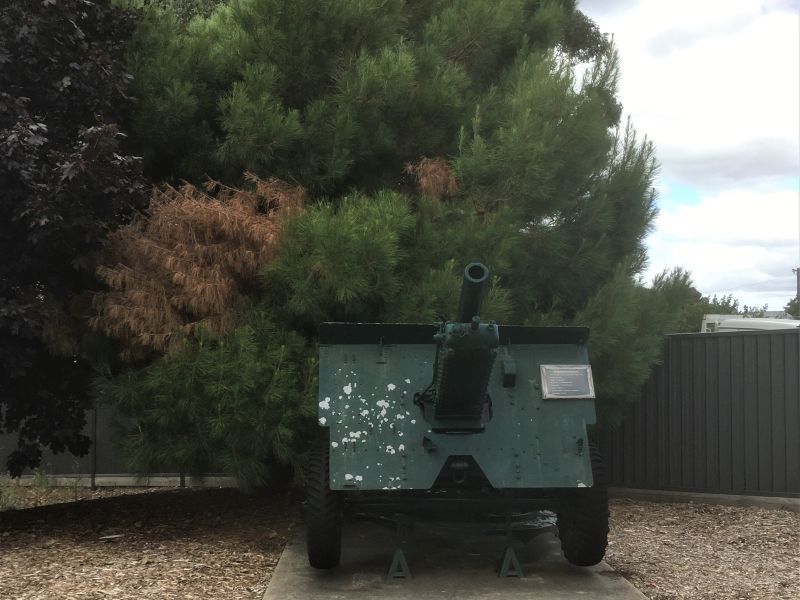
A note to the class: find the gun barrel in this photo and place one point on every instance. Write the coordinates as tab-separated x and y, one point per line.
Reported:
476	277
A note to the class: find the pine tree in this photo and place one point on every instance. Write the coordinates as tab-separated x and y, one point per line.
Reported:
682	306
429	134
793	307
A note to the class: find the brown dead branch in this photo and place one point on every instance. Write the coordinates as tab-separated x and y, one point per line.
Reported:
190	262
434	177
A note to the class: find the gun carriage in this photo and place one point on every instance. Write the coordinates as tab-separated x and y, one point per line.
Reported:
465	417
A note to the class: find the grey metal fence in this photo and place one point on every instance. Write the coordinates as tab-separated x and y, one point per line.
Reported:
105	464
104	456
721	414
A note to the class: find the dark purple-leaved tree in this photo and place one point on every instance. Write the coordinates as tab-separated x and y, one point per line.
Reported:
64	183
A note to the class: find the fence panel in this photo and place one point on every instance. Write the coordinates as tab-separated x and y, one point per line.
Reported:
721	414
105	457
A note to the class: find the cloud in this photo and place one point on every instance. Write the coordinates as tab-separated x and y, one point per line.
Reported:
605	7
754	160
711	80
666	42
716	86
742	242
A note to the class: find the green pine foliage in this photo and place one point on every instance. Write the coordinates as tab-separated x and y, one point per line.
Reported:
341	265
373	259
682	306
240	405
330	93
626	340
793	307
184	10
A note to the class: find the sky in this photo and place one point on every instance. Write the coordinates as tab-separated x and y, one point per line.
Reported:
715	85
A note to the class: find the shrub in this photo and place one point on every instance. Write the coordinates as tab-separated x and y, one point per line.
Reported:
242	404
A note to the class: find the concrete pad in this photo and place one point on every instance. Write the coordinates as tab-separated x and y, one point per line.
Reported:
460	565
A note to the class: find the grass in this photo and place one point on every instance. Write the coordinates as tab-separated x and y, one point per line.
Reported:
40	491
8	496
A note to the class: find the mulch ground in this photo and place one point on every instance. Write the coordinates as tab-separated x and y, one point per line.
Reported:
704	552
158	545
209	544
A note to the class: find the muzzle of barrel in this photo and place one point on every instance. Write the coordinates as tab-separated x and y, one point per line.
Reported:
473	288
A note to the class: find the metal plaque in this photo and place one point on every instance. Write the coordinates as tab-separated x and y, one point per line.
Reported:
567	381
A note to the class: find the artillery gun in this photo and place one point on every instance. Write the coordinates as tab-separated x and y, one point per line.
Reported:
465	418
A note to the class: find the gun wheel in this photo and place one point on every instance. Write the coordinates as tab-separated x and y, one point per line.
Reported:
583	518
324	514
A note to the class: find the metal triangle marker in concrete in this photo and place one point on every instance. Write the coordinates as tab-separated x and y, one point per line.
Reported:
399	567
510	566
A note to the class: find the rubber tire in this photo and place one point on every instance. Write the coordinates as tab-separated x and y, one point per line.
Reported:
583	517
324	513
